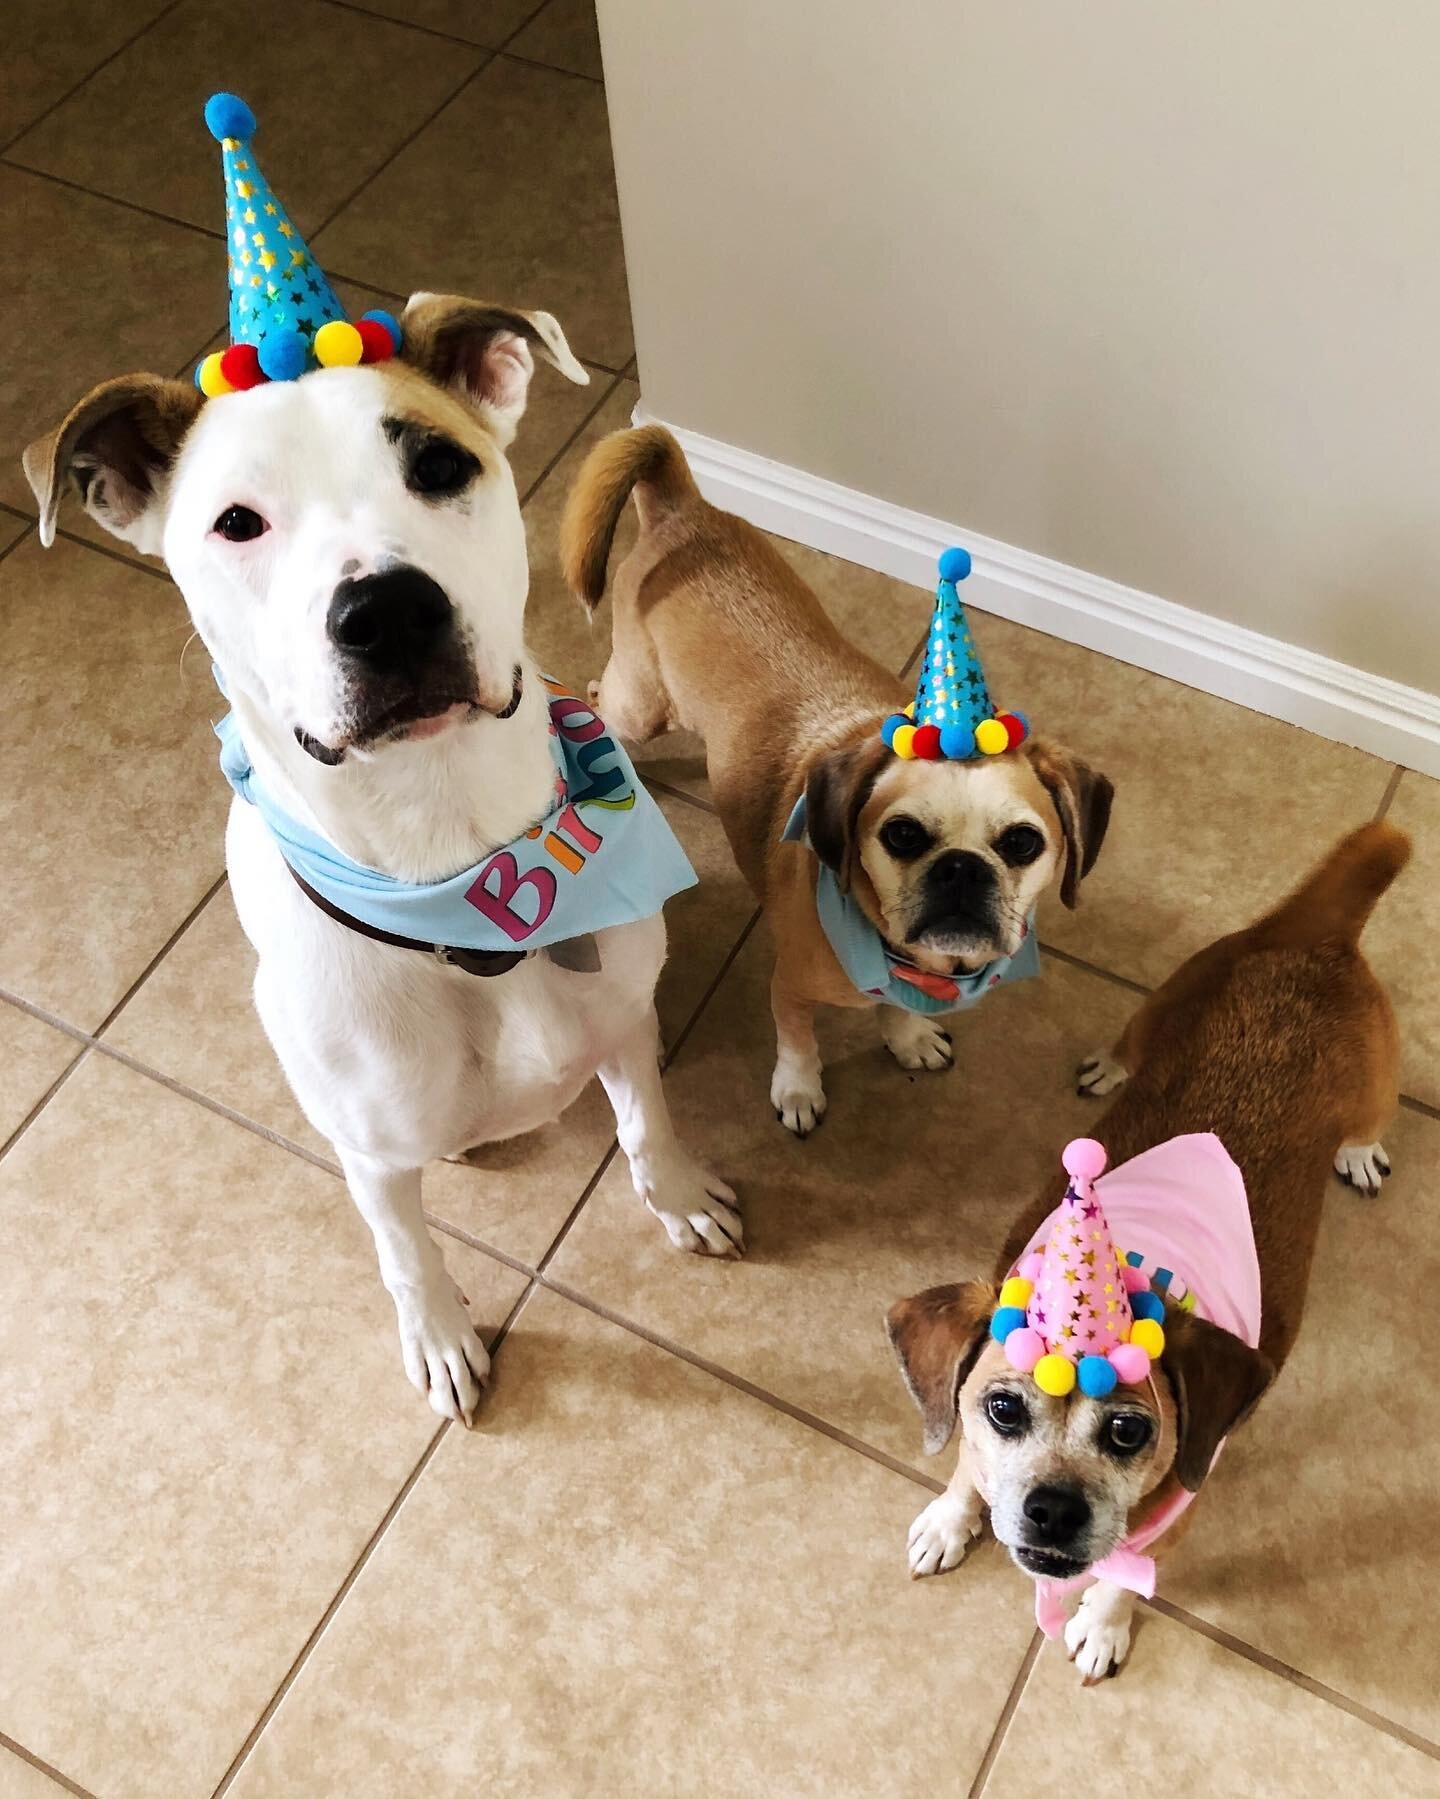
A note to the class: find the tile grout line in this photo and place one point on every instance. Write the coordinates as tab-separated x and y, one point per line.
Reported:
570	1217
1007	1713
674	1050
1272	1664
88	76
569	443
449	37
357	1568
159	956
676	793
44	1099
31	526
36	1761
1101	974
1396	776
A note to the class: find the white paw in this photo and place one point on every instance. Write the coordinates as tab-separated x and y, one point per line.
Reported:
941	1534
1100	1074
698	1210
916	1041
1098	1636
444	1358
797	1095
1363	1166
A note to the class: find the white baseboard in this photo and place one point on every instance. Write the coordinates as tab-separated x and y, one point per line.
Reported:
1348	705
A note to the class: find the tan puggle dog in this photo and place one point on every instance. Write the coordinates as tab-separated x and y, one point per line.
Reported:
1280	1041
715	632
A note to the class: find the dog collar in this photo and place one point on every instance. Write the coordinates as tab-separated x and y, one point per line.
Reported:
876	970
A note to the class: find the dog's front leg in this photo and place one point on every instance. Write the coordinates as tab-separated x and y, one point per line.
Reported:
1098	1636
444	1358
697	1210
943	1532
796	1091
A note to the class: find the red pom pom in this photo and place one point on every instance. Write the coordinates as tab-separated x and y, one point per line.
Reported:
240	365
927	742
379	345
1014	730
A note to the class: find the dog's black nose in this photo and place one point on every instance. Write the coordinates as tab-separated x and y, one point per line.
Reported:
961	875
390	619
1057	1515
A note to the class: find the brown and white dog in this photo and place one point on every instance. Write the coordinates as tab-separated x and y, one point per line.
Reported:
715	632
1280	1041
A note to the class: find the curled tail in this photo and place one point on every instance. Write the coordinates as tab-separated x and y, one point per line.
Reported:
648	458
1333	902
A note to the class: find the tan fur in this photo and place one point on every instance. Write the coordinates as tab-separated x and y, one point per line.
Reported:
1279	1039
714	631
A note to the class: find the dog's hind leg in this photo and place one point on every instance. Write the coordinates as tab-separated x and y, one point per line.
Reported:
631	695
444	1358
697	1209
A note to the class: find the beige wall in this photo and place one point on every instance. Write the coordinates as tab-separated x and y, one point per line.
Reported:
1149	286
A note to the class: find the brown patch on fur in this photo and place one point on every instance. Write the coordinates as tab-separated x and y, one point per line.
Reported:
447	337
111	448
1082	798
837	786
1218	1381
937	1335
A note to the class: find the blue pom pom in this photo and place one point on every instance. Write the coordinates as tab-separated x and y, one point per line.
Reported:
957	743
1021	720
1006	1319
1096	1376
1148	1305
284	355
890	727
198	367
227	115
391	324
954	565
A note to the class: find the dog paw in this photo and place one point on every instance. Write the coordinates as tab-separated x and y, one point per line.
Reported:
941	1534
916	1042
1100	1074
444	1358
698	1210
1363	1166
797	1096
1097	1638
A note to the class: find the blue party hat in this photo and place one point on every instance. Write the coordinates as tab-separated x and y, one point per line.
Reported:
952	717
284	315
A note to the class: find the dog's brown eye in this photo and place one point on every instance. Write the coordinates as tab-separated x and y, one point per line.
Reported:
238	524
1127	1433
1007	1413
441	468
1020	845
904	837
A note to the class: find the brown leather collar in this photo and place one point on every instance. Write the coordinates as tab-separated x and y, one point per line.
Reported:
471	961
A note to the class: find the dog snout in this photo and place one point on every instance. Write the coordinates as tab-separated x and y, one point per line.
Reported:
1055	1515
389	620
961	877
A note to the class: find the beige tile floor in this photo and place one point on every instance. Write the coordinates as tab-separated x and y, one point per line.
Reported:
234	1552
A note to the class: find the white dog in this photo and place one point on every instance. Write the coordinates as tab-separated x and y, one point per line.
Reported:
351	549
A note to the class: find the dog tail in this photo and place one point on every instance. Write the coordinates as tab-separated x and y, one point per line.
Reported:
647	462
1334	902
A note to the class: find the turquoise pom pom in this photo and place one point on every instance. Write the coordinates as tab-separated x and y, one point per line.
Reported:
954	564
227	115
1148	1305
1096	1376
391	324
284	355
1006	1319
890	727
957	743
1022	721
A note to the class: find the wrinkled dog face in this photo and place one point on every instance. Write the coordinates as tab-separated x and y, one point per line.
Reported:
958	854
353	555
1061	1475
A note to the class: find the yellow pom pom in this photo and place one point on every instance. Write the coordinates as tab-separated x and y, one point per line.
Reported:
910	710
338	345
1054	1375
991	737
903	742
1016	1292
212	382
1148	1335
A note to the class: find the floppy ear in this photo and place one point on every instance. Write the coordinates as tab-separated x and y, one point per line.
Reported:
485	354
1218	1382
1082	799
937	1336
836	790
115	449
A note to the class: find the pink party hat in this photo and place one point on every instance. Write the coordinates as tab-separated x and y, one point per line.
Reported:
1078	1312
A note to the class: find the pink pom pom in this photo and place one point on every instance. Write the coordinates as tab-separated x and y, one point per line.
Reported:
1130	1362
1024	1348
1084	1159
1033	1266
1136	1280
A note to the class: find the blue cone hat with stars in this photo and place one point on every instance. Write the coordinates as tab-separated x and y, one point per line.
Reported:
284	315
952	717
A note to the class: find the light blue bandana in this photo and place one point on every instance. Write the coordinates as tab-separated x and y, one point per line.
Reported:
873	968
567	876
